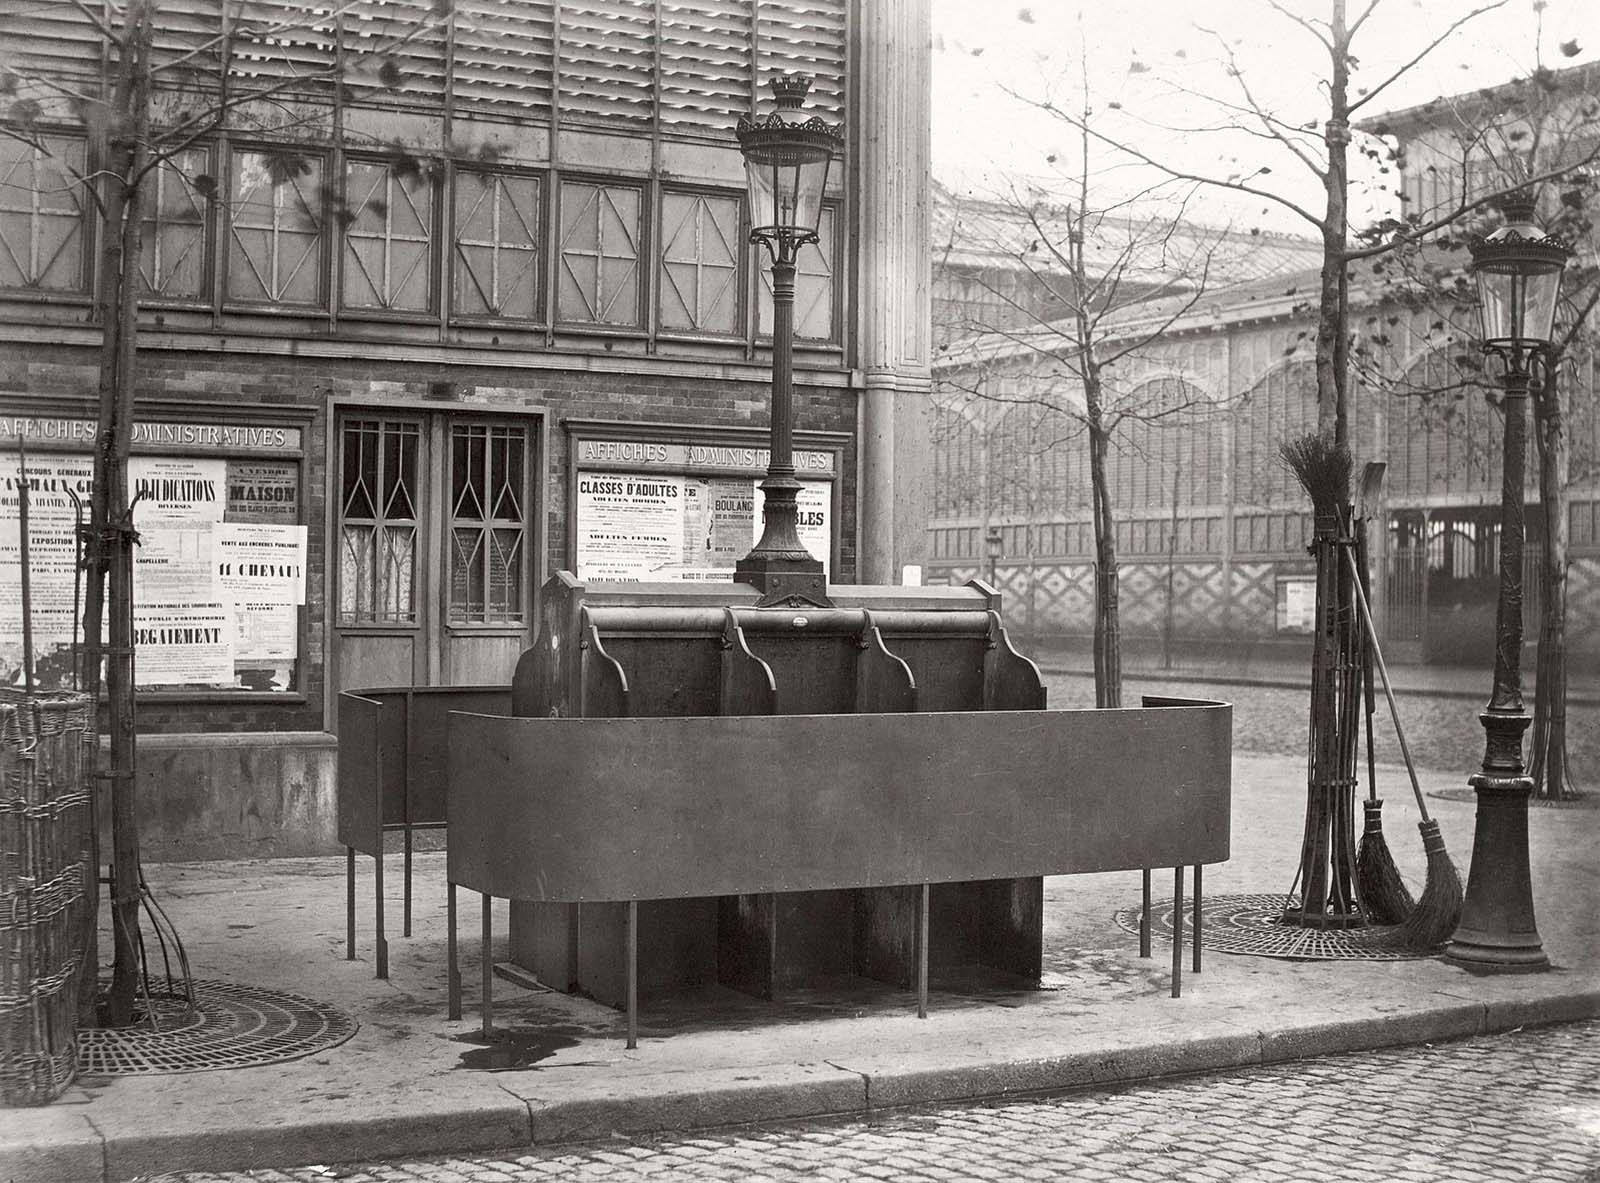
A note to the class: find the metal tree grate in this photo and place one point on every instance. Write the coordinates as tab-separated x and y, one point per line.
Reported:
229	1026
1253	925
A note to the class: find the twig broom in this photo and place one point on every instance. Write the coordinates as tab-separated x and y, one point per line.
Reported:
1439	910
1383	893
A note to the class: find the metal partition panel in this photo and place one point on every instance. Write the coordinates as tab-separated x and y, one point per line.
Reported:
658	808
427	751
360	793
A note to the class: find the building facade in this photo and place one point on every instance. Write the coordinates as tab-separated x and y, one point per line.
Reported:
446	301
1211	529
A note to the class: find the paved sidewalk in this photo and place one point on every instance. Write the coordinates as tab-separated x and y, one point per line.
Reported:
411	1082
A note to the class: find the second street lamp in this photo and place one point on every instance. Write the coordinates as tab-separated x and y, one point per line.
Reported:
1518	269
786	157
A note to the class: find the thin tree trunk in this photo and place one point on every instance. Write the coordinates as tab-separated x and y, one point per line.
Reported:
1169	621
1547	763
1332	414
1107	631
112	545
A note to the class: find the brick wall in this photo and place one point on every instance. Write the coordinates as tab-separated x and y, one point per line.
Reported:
206	379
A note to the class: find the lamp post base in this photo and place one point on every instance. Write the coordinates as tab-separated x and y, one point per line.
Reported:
784	579
1497	932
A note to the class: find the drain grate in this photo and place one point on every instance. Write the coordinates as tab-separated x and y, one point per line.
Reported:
230	1026
1252	924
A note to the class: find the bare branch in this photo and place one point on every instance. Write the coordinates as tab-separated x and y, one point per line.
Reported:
1374	91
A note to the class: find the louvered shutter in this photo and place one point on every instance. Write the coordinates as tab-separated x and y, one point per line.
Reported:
608	60
276	41
188	42
53	39
705	62
504	51
401	33
804	37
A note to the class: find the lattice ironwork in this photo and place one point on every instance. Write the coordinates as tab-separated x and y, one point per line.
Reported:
229	1026
1253	925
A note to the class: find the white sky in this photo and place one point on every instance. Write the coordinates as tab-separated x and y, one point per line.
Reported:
1138	51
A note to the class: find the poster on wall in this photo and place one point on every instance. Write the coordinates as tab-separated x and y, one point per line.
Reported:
642	527
53	481
263	491
1297	603
177	504
183	644
261	564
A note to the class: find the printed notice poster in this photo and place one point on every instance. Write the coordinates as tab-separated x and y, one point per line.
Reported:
265	634
661	527
183	644
177	490
813	520
180	501
262	564
53	480
630	526
263	491
1297	603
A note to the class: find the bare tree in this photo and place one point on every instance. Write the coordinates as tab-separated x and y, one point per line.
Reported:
1122	277
161	96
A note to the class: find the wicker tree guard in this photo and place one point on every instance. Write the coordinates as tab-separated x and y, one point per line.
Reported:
47	753
1327	874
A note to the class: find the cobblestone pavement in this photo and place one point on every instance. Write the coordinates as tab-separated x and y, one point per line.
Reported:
1441	730
1524	1105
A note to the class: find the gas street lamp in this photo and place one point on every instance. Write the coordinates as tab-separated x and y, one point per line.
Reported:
786	158
1518	269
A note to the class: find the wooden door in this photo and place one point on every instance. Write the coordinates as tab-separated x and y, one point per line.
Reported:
432	582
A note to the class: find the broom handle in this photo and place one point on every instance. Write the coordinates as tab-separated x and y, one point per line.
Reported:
1363	574
1388	692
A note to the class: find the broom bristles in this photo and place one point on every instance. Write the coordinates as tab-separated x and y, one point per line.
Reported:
1439	910
1322	468
1383	893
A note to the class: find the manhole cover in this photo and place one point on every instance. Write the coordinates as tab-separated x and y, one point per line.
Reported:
230	1026
1251	924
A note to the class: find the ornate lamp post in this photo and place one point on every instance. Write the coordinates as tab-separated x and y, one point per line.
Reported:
1519	276
786	158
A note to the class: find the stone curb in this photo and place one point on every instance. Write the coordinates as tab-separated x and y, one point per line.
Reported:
77	1151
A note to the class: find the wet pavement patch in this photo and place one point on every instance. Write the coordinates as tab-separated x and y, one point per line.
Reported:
509	1048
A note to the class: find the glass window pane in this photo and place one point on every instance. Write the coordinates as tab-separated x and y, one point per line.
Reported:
42	215
497	245
378	528
598	280
487	525
172	248
275	228
389	238
699	263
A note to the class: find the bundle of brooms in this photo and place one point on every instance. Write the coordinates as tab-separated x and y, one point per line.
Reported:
1345	629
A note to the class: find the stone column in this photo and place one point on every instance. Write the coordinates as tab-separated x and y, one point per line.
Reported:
892	101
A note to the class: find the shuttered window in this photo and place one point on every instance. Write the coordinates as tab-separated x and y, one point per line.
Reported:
175	243
42	215
699	280
497	245
388	243
396	52
275	227
504	50
280	41
804	37
599	263
705	62
607	57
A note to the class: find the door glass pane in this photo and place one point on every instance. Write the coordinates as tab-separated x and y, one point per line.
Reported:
487	523
377	522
